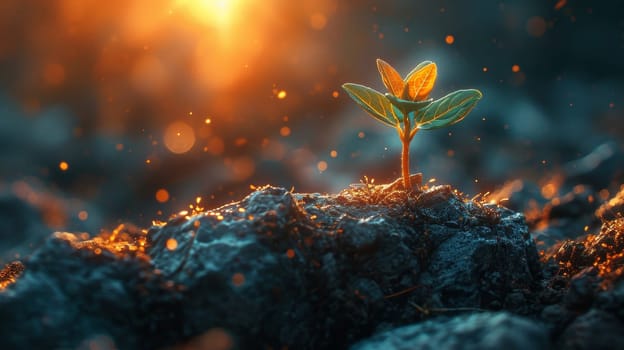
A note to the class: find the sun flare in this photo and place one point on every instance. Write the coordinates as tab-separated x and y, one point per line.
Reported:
219	13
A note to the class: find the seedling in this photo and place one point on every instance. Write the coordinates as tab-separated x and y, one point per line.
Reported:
409	97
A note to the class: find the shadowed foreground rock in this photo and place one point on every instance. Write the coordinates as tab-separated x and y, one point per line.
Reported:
485	331
276	269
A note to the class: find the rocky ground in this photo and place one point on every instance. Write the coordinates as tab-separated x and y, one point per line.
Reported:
372	267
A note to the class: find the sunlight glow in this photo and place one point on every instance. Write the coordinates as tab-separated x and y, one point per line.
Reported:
212	12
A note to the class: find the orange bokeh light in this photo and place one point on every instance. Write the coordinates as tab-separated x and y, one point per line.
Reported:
162	195
179	137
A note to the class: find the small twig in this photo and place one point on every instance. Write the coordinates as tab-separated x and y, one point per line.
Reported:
428	311
399	293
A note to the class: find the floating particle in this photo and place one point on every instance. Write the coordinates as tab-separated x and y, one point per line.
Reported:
179	137
285	131
172	244
485	69
449	39
162	195
333	153
63	166
321	166
238	279
207	121
515	68
290	253
335	94
119	147
83	215
281	94
361	134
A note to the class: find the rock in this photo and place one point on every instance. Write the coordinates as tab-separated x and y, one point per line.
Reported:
482	331
613	208
594	330
603	251
307	271
21	224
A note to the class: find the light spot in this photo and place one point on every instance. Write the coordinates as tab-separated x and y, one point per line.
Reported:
515	68
238	279
449	39
172	244
321	166
179	137
318	21
281	94
83	215
335	94
361	134
162	195
63	166
285	131
290	253
207	121
333	153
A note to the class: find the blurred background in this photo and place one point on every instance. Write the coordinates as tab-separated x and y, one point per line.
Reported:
129	110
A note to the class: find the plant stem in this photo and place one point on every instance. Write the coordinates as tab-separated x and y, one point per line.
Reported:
405	165
405	139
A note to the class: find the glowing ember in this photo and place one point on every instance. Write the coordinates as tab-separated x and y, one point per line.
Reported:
449	39
333	153
83	215
335	94
63	166
285	131
10	273
179	137
162	195
290	253
515	68
238	279
321	166
172	244
560	4
281	94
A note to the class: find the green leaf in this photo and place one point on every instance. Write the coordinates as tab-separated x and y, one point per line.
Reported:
406	105
448	110
374	103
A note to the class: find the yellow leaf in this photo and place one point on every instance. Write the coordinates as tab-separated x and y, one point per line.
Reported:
419	82
391	78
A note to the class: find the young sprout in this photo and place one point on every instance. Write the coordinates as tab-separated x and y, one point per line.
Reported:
409	97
